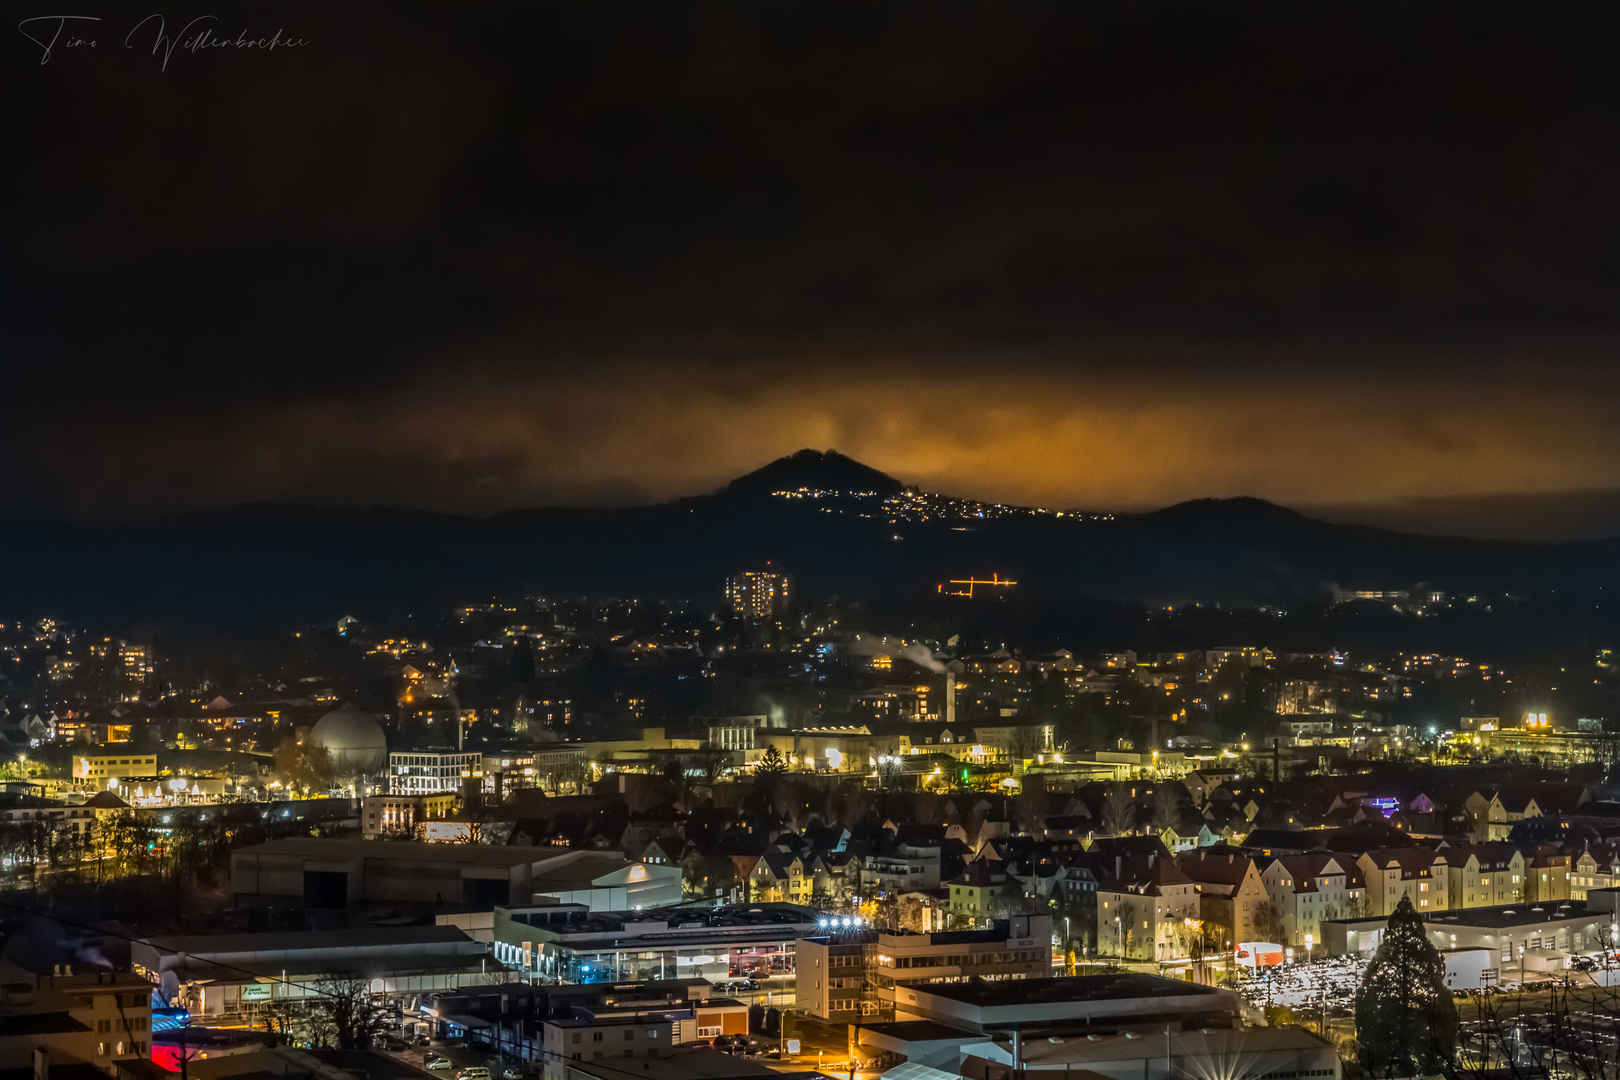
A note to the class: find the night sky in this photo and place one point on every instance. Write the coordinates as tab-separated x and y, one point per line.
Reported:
1359	258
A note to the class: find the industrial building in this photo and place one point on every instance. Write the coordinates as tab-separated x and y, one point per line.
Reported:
1526	939
321	873
231	976
1165	1054
1119	1027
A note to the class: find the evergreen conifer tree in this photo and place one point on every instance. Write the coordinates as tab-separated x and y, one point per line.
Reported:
1406	1020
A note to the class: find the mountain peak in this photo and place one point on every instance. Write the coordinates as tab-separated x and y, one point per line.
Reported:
815	470
1241	509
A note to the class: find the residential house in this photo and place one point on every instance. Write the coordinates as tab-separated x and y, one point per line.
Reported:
1415	872
1230	893
1596	867
1075	891
1484	875
779	878
1547	871
835	875
1305	889
1493	813
978	892
1147	909
909	866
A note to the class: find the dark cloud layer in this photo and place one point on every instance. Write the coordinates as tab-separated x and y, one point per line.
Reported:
1111	254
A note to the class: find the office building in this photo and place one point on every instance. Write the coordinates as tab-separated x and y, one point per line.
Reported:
508	1018
400	816
844	976
566	941
433	772
101	764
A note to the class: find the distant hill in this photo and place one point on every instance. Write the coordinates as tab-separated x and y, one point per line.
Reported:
814	470
842	527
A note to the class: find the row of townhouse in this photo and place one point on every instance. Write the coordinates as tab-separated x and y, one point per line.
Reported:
1133	896
1249	898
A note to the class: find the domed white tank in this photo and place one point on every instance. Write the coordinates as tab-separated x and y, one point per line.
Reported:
353	741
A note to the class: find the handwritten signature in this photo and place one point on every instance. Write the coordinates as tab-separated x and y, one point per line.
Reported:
198	35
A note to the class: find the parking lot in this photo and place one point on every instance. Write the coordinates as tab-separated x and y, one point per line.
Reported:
458	1057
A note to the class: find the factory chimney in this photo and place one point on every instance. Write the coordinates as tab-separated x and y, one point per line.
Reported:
950	697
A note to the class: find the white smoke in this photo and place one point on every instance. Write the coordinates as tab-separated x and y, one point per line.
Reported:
915	651
91	955
919	654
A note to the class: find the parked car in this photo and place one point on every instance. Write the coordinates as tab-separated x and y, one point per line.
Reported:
474	1072
434	1064
512	1072
731	1044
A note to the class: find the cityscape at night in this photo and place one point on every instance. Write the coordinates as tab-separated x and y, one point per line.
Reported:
563	541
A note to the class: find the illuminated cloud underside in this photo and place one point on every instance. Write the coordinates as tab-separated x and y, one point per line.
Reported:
646	433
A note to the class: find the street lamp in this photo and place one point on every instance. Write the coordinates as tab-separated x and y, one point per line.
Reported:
1288	954
1309	941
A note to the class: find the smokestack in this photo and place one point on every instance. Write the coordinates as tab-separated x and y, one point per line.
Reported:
950	697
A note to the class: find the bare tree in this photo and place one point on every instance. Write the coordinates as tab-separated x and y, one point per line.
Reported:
1565	1027
1166	805
1024	743
1125	927
1118	812
1268	923
356	1016
711	765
